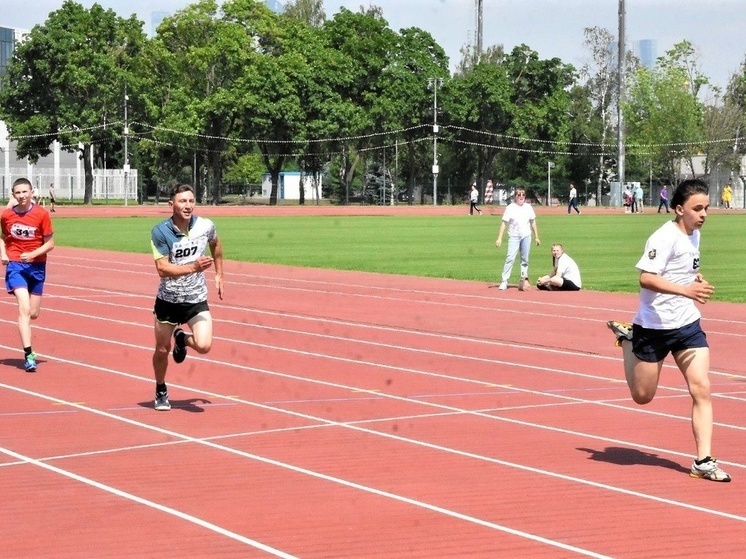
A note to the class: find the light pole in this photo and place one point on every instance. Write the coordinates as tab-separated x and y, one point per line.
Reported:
126	150
550	164
434	83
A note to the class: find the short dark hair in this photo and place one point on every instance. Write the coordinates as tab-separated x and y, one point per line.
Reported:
22	180
687	189
179	188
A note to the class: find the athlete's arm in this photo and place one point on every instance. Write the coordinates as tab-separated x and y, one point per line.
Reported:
216	249
700	290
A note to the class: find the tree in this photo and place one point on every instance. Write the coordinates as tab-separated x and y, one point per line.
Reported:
68	79
406	97
367	43
310	12
664	120
601	79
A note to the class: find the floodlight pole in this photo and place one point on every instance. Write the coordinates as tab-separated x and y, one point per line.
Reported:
126	151
434	83
621	50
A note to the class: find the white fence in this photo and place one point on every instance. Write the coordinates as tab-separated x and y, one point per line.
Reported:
107	185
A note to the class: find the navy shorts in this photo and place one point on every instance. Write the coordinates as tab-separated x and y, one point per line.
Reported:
177	313
652	345
30	275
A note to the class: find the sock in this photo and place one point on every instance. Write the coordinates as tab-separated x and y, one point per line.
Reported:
27	350
161	388
705	459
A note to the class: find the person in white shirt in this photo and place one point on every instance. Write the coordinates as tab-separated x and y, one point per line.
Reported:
474	199
520	220
573	199
565	275
667	320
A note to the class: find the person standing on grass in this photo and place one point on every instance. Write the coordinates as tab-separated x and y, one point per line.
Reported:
27	235
520	220
179	244
474	199
667	320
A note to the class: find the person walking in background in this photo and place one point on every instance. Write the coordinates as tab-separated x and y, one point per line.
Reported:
663	200
727	196
565	274
474	199
179	244
668	321
52	197
27	235
573	203
520	220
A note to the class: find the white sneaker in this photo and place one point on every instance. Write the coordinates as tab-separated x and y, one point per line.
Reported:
503	286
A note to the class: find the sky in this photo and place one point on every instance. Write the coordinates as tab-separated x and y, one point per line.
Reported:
553	28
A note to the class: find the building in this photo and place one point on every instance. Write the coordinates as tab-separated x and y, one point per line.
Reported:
647	51
288	187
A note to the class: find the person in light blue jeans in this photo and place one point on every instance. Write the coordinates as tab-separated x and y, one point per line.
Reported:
520	221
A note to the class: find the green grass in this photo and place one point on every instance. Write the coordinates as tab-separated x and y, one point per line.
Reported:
606	247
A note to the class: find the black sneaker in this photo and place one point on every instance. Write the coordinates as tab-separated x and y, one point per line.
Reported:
161	401
179	351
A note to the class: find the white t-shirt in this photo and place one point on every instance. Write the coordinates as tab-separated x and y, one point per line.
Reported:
673	255
573	193
519	219
474	195
568	269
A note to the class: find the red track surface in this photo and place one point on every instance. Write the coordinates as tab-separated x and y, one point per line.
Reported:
355	415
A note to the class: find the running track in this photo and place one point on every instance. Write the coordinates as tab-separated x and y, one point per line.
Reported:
356	416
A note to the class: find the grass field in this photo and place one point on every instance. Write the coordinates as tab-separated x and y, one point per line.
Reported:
606	247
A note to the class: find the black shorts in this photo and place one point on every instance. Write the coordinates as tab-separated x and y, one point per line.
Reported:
652	345
177	313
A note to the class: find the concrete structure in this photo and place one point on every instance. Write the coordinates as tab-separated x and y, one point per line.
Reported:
289	186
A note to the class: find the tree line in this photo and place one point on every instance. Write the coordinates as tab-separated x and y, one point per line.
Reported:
225	93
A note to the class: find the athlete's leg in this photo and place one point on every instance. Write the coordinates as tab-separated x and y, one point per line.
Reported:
200	340
163	333
695	365
642	376
24	314
513	246
525	246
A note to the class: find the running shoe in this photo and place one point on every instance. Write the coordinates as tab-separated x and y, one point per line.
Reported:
503	286
161	401
524	284
179	351
708	469
622	331
30	364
